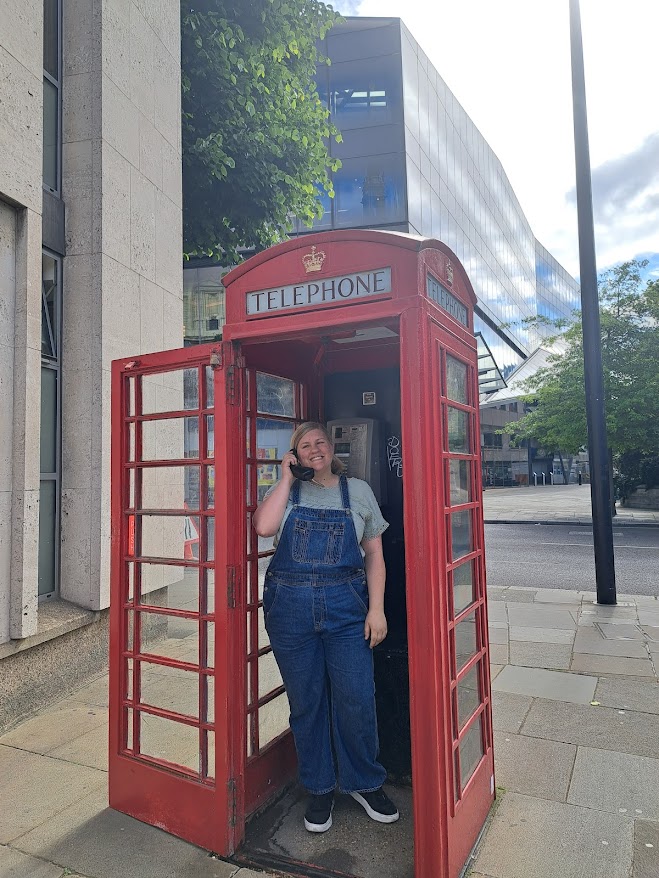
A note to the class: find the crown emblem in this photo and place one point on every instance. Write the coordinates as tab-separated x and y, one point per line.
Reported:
449	271
313	261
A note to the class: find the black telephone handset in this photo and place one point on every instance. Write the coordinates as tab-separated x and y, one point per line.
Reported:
303	473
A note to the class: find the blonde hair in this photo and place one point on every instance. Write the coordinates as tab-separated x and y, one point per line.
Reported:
338	467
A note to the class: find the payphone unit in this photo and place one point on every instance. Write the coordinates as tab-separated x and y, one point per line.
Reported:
358	446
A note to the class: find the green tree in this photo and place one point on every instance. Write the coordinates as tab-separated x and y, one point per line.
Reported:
255	131
629	314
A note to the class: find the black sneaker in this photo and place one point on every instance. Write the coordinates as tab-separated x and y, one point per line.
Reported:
378	806
318	816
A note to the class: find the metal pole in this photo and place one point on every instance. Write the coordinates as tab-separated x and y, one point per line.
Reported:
600	490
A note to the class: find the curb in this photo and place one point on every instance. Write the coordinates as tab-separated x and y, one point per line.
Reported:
567	521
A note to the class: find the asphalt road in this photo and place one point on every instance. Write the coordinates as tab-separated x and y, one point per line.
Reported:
561	556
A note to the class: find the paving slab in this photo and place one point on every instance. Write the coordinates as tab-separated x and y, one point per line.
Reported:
495	670
93	693
589	641
541	683
557	596
628	694
609	664
651	632
540	655
542	617
616	782
533	766
55	727
499	635
496	612
499	653
646	849
605	728
14	864
90	749
508	710
38	787
531	837
543	635
92	839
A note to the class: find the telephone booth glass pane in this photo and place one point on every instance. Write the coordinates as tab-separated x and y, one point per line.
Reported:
466	643
456	380
471	750
273	719
169	741
170	391
170	439
468	695
275	395
458	431
461	534
168	536
464	592
459	481
170	487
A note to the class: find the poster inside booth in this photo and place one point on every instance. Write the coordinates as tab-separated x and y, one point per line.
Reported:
372	333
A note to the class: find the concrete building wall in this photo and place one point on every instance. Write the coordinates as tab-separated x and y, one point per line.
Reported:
122	294
20	309
122	273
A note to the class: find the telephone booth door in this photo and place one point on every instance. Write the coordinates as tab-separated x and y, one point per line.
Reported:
172	675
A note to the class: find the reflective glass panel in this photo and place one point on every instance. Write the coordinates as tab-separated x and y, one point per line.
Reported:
170	391
164	585
169	688
48	420
269	676
210	749
170	637
468	695
464	587
275	395
459	481
169	536
456	380
273	719
47	536
170	487
370	190
458	431
461	534
170	439
268	474
471	751
171	741
466	643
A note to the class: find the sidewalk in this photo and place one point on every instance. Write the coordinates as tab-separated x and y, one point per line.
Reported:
576	719
558	504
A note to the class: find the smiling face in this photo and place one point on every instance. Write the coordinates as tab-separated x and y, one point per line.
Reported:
316	451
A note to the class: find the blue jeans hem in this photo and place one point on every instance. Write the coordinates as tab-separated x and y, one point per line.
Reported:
372	790
321	792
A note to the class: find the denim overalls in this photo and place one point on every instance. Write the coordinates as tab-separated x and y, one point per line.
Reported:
315	601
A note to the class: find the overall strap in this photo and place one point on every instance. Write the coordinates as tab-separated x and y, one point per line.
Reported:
345	495
295	493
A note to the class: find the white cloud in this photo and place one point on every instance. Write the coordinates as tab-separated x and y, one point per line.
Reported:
508	63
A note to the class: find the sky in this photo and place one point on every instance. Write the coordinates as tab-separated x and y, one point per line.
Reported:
508	63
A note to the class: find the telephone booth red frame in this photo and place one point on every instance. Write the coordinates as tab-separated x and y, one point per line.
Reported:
196	745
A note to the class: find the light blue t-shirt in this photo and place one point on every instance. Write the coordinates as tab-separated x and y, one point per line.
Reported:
366	514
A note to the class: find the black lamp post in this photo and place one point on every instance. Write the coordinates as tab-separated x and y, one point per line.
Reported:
600	485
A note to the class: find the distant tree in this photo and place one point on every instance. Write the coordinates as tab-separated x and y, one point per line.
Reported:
255	130
629	317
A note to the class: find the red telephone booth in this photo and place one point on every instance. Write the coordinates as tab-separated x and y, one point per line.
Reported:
371	332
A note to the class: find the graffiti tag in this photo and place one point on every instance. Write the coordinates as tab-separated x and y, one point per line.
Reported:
394	457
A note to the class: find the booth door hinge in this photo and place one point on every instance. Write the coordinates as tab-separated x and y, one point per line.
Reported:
231	588
233	383
231	790
216	359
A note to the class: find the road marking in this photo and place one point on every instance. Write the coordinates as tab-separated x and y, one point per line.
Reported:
579	533
585	546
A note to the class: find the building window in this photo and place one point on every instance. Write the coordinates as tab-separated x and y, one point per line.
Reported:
52	128
49	494
203	303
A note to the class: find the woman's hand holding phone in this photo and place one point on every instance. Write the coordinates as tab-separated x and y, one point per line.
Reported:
288	460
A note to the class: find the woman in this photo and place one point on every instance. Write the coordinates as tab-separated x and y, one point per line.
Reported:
323	603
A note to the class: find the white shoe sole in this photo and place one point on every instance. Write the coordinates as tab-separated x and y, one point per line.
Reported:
318	827
374	815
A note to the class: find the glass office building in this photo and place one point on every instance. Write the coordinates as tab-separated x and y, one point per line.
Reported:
413	161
